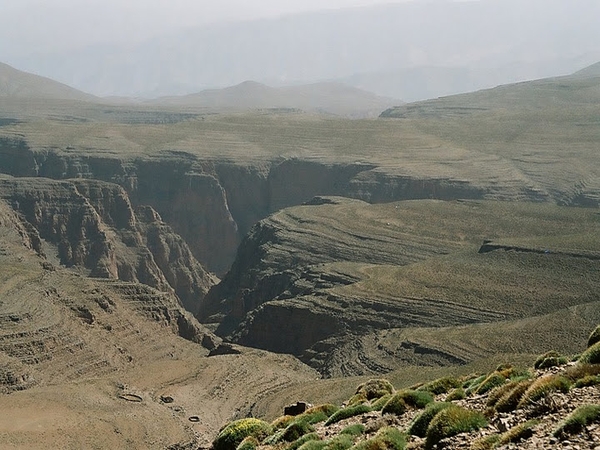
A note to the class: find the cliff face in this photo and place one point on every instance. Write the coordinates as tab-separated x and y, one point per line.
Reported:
92	225
213	204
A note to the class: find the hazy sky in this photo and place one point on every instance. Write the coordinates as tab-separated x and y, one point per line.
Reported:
51	24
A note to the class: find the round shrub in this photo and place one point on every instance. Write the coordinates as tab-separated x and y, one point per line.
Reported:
493	380
422	421
401	400
450	422
282	422
591	355
590	380
550	359
249	443
441	385
354	430
594	337
373	389
387	438
456	394
233	434
304	439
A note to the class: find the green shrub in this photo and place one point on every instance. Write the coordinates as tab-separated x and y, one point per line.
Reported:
327	408
373	389
422	421
340	442
378	404
234	433
357	399
387	438
578	420
591	355
249	443
471	384
518	433
282	422
544	386
302	440
590	380
497	393
510	400
452	421
550	359
296	430
594	337
493	380
441	385
354	430
456	394
401	400
345	413
313	444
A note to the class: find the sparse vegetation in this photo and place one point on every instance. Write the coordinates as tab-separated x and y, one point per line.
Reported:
233	434
452	421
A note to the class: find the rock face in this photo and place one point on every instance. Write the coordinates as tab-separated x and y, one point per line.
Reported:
92	225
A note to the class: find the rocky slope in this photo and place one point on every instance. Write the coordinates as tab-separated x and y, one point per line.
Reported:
321	280
92	225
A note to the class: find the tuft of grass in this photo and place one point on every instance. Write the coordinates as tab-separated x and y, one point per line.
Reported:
340	442
590	380
387	438
486	442
234	433
422	421
327	409
408	398
471	384
354	430
581	370
378	404
591	355
550	359
542	387
452	421
249	443
456	394
510	400
376	388
345	413
441	385
493	380
594	337
578	420
302	440
518	433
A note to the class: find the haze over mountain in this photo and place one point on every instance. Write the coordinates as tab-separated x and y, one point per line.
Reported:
17	84
328	98
469	45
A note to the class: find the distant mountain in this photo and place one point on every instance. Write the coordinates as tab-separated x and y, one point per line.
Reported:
329	98
17	84
492	36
